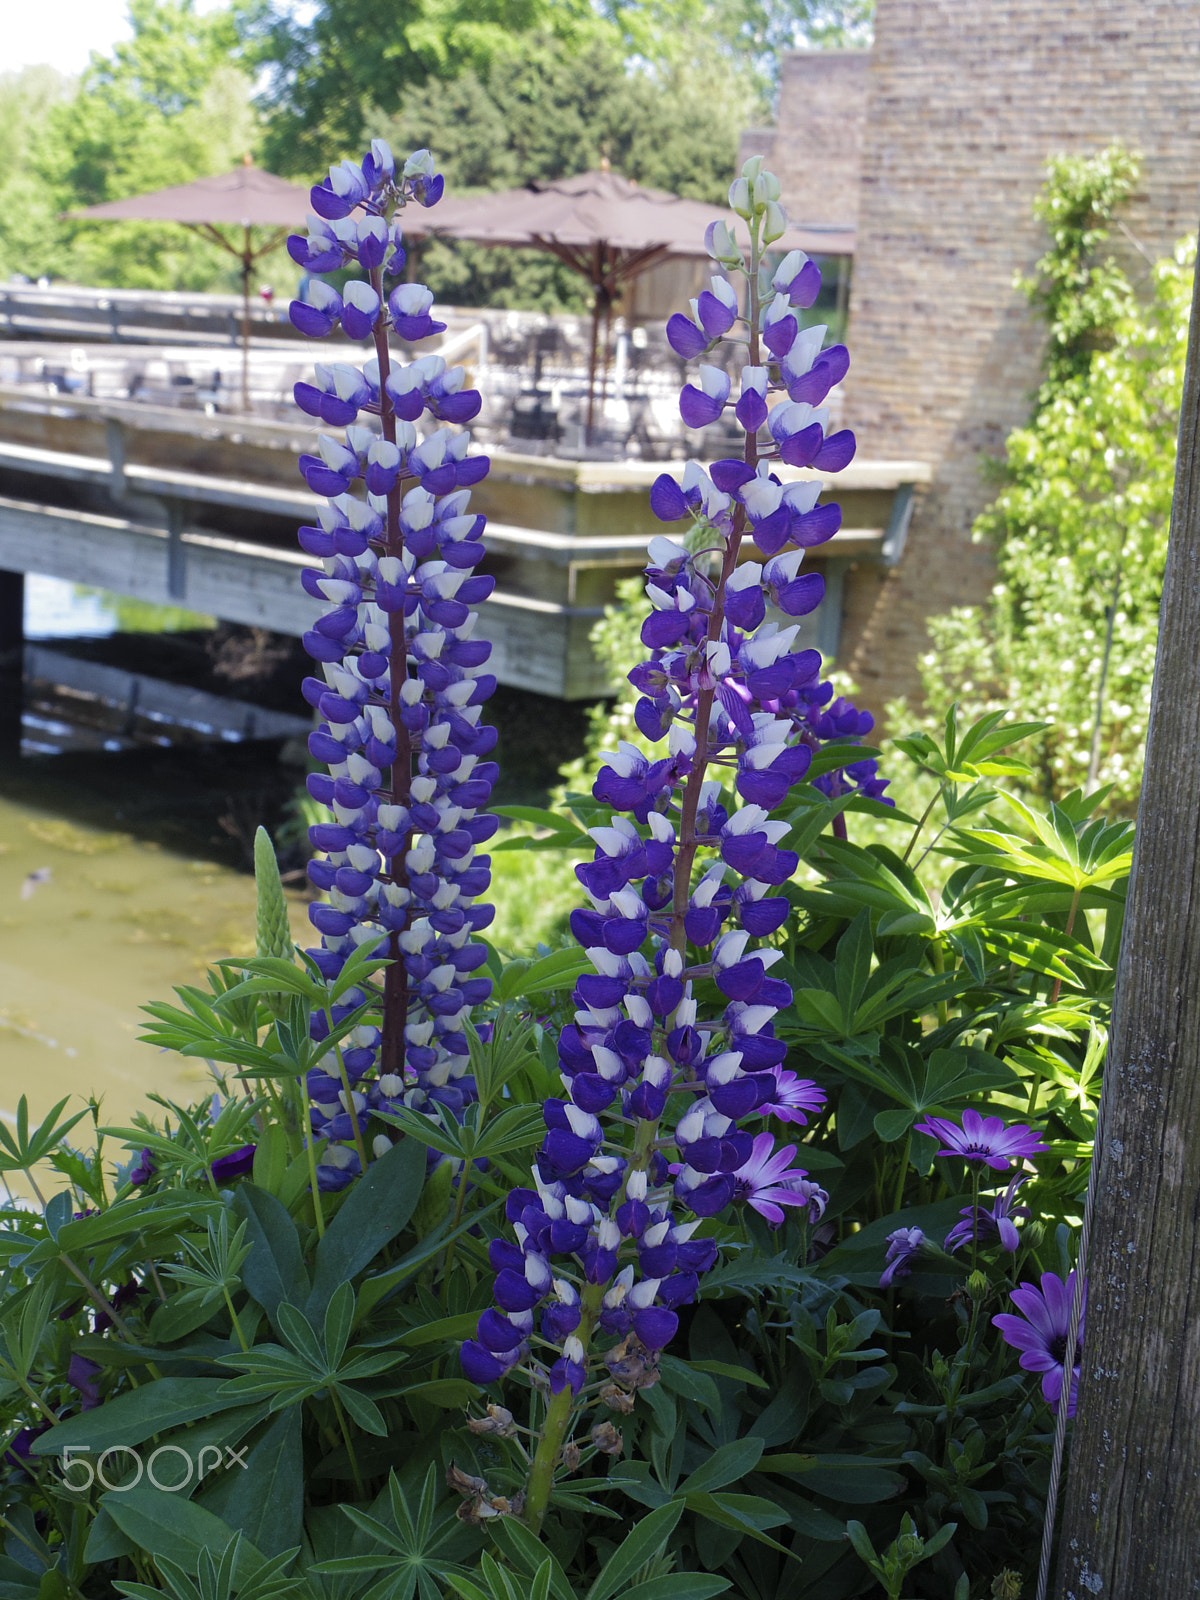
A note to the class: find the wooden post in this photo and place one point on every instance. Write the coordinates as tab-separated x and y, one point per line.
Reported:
247	268
12	662
1131	1526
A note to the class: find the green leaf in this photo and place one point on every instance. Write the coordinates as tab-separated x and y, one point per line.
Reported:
105	1542
726	1465
679	1586
526	1550
893	1125
727	1369
163	1524
638	1547
448	1394
558	970
272	1159
265	1501
374	1212
274	1269
135	1416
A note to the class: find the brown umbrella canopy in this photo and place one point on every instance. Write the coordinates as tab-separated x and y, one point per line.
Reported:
605	227
245	198
572	214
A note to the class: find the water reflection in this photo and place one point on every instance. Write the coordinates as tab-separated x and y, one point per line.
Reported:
109	923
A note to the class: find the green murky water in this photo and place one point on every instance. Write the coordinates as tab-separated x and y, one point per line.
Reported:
116	922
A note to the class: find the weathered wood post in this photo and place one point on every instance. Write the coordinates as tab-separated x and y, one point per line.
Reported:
1131	1527
12	661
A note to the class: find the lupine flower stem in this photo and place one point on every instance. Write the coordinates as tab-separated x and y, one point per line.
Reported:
558	1416
395	982
695	782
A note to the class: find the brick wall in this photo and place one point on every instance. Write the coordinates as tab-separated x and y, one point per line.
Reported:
966	100
815	148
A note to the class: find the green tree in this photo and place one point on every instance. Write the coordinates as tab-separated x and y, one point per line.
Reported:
1081	522
750	32
172	103
351	58
558	109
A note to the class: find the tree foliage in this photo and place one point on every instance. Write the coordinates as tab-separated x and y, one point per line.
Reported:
170	104
558	109
1081	523
333	69
329	71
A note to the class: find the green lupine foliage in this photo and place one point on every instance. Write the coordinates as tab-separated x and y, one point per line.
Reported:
281	1410
1081	523
273	935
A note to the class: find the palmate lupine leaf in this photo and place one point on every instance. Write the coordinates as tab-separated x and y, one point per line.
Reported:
408	1553
306	1363
21	1149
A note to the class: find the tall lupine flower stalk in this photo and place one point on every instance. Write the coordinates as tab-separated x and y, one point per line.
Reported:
647	1143
402	679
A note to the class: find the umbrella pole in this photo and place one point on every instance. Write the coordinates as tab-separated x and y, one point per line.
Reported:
591	405
247	263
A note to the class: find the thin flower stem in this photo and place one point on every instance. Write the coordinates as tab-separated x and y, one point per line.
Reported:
686	852
312	1157
35	1397
924	818
359	1143
1057	989
105	1304
459	1205
348	1441
233	1317
558	1416
903	1173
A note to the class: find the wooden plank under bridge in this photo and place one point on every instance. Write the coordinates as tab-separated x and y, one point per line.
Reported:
182	508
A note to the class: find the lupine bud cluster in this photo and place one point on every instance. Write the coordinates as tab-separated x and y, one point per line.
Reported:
402	679
673	1042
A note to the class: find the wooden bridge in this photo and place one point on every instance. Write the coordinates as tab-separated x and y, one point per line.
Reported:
178	507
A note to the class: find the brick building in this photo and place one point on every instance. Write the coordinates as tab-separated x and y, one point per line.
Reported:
939	139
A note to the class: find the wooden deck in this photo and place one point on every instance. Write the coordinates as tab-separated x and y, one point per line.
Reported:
180	507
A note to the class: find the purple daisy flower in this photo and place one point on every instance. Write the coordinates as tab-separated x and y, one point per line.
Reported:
991	1222
983	1139
767	1182
793	1097
1041	1333
902	1246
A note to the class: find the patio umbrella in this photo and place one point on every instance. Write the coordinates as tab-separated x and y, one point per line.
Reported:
242	200
605	227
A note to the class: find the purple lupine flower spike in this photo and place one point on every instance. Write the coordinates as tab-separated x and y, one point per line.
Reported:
402	679
683	887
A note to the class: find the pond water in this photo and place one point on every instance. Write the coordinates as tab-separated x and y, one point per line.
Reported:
112	890
92	925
